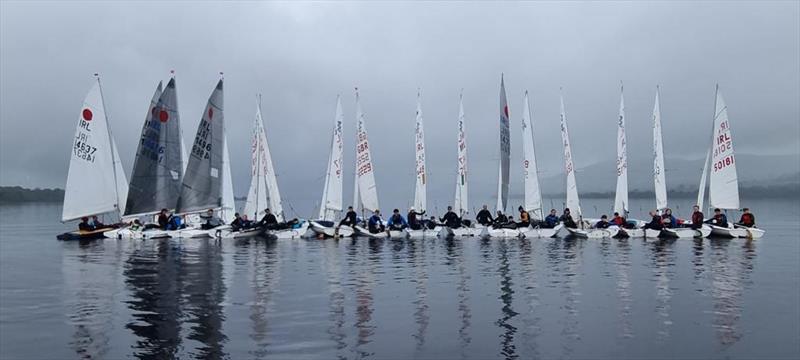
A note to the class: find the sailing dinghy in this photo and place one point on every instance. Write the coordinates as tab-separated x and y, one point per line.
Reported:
461	204
573	202
533	194
723	192
420	189
331	203
96	182
503	171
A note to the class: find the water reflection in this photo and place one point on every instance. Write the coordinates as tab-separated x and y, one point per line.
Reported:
729	277
508	348
336	297
663	262
623	287
361	273
532	318
265	273
455	251
416	255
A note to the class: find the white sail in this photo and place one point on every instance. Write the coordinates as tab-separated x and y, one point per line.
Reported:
505	150
701	192
332	192
621	197
263	191
723	189
420	196
533	194
122	183
365	172
228	201
461	205
92	185
658	157
573	202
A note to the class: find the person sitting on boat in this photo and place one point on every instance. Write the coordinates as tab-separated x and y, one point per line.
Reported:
551	220
350	219
135	225
668	220
450	219
396	221
269	220
431	223
697	218
618	220
96	224
174	222
211	219
484	217
567	220
84	224
246	223
163	219
747	219
413	222
524	218
237	223
719	219
603	223
655	223
375	223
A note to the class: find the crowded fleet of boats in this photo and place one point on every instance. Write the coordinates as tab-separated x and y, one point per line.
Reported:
175	194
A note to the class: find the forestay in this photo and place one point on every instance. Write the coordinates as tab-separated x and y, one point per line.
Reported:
158	168
573	202
94	181
505	150
365	175
332	191
202	183
621	197
723	190
659	178
533	194
420	201
461	205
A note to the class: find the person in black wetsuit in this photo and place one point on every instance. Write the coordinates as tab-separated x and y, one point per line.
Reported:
567	220
163	219
484	217
500	219
413	222
655	222
269	220
450	219
237	223
603	223
350	219
719	219
84	224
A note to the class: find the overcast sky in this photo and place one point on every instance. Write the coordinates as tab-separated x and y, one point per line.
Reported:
300	56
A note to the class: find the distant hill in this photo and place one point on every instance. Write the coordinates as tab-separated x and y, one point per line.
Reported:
18	194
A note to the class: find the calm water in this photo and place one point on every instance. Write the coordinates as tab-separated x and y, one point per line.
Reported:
327	299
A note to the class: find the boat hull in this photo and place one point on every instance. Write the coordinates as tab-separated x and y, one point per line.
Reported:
752	232
727	232
500	233
83	235
361	231
290	233
424	233
593	233
541	232
330	231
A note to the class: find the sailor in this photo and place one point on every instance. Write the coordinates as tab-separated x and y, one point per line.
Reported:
603	223
237	223
269	220
163	219
524	218
396	221
655	222
500	219
450	219
719	219
246	223
668	220
618	220
697	218
484	217
375	223
136	225
413	222
567	220
211	219
84	224
551	220
431	224
350	219
96	224
747	219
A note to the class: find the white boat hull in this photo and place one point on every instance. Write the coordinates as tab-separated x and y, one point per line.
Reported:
462	231
361	231
541	232
681	233
752	232
128	234
500	233
424	233
727	231
290	233
593	233
330	231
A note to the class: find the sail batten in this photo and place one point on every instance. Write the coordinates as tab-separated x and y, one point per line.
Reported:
533	194
420	190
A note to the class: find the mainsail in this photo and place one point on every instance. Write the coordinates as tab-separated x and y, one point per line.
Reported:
94	177
365	174
723	190
420	201
573	203
158	168
263	191
505	150
228	200
658	157
202	183
461	205
332	192
701	192
533	194
621	197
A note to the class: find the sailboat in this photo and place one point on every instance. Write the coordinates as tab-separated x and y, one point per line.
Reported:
96	182
420	189
573	202
533	193
365	195
332	191
723	191
503	170
461	203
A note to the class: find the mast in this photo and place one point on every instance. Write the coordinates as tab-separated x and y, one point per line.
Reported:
573	201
